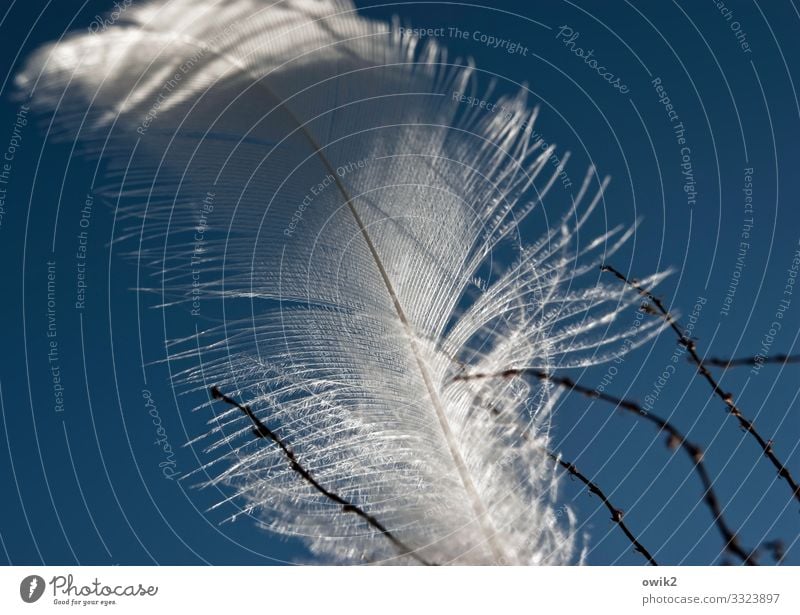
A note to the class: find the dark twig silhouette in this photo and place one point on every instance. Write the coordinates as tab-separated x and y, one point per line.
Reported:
776	549
676	438
616	513
727	398
260	430
752	361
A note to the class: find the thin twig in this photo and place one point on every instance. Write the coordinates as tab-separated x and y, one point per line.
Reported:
733	409
260	430
776	549
751	361
676	438
616	514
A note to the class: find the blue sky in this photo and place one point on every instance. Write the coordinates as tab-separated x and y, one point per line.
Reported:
86	484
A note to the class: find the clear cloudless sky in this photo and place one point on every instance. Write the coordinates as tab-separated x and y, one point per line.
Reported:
84	485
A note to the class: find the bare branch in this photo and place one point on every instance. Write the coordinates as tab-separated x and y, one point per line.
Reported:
260	430
676	438
776	549
616	514
751	361
733	409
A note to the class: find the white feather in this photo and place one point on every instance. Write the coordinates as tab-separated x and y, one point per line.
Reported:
354	206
